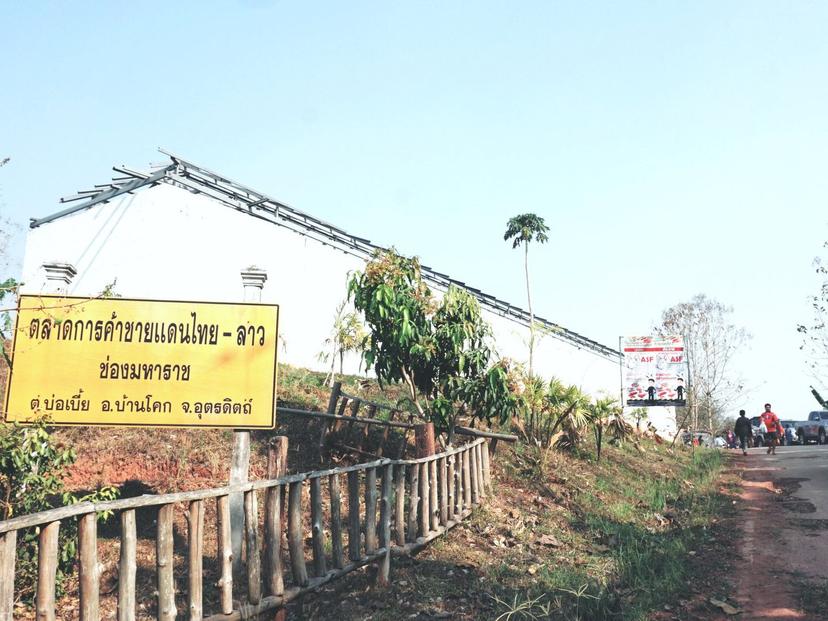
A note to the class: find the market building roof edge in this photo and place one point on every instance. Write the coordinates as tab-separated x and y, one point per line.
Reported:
197	179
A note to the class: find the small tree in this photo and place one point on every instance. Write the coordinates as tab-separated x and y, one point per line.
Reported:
397	306
32	467
438	349
524	229
347	335
639	414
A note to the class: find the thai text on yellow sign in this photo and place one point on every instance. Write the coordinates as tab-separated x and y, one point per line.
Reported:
115	361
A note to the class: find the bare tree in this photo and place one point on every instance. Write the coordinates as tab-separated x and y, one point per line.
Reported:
710	341
815	334
8	285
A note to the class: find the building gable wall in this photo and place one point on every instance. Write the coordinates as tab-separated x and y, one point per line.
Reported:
164	242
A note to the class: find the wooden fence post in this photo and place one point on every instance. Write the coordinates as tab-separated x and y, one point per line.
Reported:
467	493
370	511
277	450
478	458
458	475
47	556
336	391
317	530
8	555
442	476
425	499
225	555
336	521
384	569
195	556
487	467
413	500
164	561
127	567
353	515
434	514
399	512
296	541
475	493
88	575
452	486
424	446
251	530
385	432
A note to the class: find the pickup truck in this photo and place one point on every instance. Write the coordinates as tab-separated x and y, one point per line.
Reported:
815	429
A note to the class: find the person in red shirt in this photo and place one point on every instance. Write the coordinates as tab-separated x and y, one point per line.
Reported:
774	428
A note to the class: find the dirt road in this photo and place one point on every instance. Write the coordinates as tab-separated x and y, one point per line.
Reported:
783	572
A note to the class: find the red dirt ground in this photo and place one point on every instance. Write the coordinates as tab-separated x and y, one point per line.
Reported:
762	581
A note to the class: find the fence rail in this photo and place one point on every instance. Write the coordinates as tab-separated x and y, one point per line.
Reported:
339	402
390	507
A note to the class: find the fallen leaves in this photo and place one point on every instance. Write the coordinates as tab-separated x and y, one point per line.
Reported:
549	540
724	606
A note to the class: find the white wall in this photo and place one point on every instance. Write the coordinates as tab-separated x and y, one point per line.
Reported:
164	242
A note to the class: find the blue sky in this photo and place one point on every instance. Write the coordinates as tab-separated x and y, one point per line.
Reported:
674	148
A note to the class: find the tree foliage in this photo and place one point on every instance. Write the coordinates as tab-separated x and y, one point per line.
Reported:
523	230
438	348
8	289
710	340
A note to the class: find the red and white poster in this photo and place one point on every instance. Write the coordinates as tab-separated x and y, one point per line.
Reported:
654	371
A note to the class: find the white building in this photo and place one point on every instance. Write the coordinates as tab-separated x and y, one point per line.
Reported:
182	232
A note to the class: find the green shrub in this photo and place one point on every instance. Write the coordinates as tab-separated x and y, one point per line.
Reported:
32	467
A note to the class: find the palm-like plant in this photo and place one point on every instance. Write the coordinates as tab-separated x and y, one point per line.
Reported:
556	418
607	414
524	229
572	414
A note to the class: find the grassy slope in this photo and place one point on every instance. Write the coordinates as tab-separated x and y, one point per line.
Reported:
608	540
615	540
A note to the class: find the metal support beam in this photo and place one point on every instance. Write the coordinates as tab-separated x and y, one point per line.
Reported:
102	197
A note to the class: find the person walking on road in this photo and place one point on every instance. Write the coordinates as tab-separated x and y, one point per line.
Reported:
774	427
743	431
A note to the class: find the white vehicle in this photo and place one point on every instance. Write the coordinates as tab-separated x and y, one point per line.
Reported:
815	429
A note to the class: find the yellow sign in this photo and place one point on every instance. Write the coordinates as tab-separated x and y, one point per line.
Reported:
115	361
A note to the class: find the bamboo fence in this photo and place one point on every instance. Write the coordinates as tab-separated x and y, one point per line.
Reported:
393	507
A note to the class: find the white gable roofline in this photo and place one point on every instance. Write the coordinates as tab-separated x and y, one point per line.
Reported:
197	179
